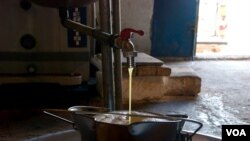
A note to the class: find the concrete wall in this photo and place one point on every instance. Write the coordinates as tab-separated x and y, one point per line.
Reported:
137	14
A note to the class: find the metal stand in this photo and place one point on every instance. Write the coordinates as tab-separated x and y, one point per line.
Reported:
109	21
112	75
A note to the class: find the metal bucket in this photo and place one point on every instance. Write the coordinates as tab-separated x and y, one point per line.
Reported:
72	135
153	126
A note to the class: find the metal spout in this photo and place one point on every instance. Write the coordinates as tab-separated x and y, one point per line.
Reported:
130	53
130	58
130	62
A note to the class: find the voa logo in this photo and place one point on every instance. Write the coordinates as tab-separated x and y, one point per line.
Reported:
236	132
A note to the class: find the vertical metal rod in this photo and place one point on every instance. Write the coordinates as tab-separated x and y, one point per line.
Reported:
107	63
116	4
117	55
93	22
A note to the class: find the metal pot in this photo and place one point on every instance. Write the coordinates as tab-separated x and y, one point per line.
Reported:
93	126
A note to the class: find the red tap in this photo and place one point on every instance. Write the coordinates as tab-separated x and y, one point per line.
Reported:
127	46
126	33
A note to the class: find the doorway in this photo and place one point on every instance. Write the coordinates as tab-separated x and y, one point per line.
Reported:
174	28
223	28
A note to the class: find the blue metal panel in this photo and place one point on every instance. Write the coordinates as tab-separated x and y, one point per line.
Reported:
173	27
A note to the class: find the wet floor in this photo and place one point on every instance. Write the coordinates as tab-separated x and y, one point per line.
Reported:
224	99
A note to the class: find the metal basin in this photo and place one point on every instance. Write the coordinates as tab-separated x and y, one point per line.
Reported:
105	126
100	124
73	135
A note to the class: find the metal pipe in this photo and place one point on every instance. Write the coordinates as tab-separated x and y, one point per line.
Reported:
92	39
118	78
116	4
107	63
97	34
117	55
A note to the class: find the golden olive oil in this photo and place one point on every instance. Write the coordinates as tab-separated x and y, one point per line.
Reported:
130	72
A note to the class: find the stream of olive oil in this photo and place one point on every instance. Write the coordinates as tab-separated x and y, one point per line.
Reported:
130	72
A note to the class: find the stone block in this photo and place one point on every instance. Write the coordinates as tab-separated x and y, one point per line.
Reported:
183	81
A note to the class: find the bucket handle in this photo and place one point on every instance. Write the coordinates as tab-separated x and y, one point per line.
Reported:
200	125
58	117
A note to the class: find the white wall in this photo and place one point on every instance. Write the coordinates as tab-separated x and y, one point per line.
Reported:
137	14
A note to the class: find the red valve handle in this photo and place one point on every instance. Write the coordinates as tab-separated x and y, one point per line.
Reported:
126	33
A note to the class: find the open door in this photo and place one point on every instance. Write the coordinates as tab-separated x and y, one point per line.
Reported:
174	28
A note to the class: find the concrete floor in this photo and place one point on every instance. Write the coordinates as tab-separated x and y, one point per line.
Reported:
224	99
